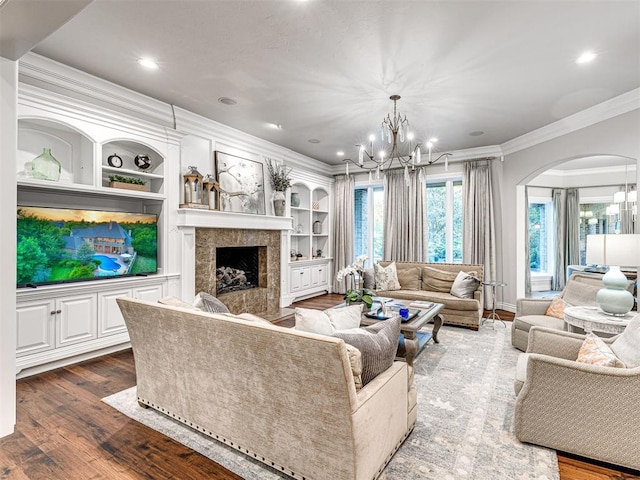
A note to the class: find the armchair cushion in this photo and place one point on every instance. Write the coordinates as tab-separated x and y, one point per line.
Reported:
627	345
595	352
525	322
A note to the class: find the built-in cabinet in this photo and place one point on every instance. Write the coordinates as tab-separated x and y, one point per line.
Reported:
54	326
310	247
64	323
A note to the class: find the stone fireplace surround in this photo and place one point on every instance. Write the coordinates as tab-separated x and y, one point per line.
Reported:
265	298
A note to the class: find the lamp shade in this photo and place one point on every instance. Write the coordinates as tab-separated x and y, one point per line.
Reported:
621	250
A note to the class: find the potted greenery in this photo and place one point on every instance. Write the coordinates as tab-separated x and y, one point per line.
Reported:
128	183
280	176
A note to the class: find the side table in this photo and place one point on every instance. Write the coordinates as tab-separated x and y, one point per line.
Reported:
592	319
493	316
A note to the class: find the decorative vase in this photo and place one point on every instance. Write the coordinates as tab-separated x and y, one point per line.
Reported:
45	166
295	199
278	203
317	227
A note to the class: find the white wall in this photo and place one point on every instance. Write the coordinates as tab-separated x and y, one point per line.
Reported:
615	136
8	148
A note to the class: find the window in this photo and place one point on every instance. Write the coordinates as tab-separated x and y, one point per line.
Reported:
444	221
540	218
369	218
596	218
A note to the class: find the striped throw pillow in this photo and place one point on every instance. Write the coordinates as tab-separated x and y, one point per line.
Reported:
208	303
377	343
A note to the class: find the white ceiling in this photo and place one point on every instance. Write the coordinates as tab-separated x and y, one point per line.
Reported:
325	69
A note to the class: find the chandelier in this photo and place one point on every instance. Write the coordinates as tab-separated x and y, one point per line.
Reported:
395	129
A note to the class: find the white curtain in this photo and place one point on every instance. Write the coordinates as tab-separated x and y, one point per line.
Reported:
479	238
343	224
404	216
558	198
573	227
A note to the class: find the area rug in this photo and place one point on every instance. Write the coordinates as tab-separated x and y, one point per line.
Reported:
465	418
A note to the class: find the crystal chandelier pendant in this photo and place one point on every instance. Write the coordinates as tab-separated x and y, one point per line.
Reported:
361	155
401	134
418	156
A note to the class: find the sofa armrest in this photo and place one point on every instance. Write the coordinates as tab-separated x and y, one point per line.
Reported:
555	343
370	389
532	306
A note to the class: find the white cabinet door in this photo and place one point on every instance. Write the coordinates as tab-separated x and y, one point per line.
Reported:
110	318
315	275
323	274
35	326
77	319
295	279
305	278
151	293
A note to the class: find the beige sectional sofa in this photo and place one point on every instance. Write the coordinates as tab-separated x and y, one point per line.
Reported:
282	396
432	282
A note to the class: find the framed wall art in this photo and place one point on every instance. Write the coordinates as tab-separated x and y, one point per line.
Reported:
241	184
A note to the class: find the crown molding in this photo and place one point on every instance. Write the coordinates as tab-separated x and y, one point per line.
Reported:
191	123
37	70
613	107
588	171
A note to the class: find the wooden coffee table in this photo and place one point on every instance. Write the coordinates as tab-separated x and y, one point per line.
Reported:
412	341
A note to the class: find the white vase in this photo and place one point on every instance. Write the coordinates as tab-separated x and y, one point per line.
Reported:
278	204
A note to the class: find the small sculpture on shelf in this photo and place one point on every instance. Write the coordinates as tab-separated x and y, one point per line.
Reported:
318	253
193	189
211	192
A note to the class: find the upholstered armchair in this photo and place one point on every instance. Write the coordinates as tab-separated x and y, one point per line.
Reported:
584	409
581	289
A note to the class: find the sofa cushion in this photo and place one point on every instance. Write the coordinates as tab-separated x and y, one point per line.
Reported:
455	303
595	352
525	322
208	303
435	280
408	277
387	277
250	317
556	308
328	321
465	284
377	343
626	346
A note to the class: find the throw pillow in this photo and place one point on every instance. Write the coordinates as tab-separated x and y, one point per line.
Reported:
344	318
595	352
409	278
369	279
208	303
328	321
436	280
377	343
626	346
253	318
355	360
176	302
556	308
465	284
387	277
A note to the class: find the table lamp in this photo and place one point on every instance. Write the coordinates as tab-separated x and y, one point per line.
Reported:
614	251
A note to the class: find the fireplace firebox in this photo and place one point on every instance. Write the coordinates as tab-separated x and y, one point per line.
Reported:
237	268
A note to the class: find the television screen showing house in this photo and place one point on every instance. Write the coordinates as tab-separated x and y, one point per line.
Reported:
63	245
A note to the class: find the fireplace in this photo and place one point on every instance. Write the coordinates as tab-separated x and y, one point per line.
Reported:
261	294
237	268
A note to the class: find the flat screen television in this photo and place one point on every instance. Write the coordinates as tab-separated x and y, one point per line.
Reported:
60	245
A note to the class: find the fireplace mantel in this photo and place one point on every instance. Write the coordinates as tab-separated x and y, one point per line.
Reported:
191	217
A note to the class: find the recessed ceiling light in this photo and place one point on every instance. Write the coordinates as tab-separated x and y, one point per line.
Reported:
275	126
313	140
586	57
476	133
340	153
433	140
227	101
148	63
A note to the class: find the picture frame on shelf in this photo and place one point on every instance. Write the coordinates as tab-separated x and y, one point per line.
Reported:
241	184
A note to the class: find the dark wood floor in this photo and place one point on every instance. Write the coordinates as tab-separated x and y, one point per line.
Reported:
64	431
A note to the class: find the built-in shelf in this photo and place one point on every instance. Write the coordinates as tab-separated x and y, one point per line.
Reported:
125	171
85	190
